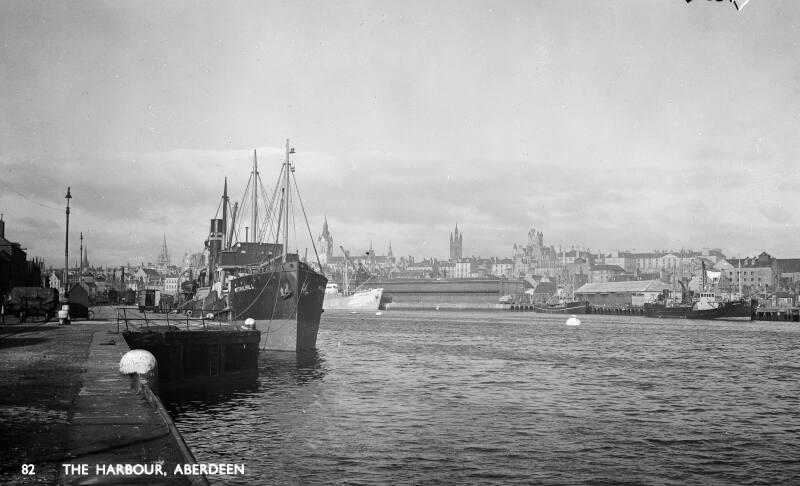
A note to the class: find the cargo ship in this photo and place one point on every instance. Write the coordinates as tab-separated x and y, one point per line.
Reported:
262	284
344	299
359	300
446	293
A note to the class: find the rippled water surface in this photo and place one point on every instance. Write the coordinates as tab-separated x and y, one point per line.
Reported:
457	397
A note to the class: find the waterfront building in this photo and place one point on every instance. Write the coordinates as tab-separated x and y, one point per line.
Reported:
757	274
621	294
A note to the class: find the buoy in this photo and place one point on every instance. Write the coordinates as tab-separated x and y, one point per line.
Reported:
379	313
142	368
250	323
573	320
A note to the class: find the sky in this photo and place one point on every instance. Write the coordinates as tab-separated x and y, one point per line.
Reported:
613	125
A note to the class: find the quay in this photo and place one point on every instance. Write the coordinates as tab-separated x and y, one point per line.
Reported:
771	313
191	351
65	409
593	309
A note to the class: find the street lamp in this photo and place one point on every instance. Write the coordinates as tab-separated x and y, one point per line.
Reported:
63	314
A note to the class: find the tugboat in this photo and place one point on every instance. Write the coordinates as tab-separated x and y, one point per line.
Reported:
709	304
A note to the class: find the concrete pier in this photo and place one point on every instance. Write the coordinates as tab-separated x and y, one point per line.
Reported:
69	417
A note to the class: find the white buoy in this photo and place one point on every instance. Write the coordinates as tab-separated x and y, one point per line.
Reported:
250	323
142	368
379	313
573	320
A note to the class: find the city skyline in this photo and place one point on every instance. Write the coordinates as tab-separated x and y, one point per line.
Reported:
612	126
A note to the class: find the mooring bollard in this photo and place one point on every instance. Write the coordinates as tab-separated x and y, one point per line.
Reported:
63	316
142	368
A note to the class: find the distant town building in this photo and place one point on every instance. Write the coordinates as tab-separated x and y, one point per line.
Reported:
456	245
758	274
163	256
604	273
171	284
325	241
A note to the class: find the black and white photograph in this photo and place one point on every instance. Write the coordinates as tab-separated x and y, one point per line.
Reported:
375	242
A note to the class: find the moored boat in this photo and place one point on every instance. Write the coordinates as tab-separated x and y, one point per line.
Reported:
708	306
572	307
253	279
363	300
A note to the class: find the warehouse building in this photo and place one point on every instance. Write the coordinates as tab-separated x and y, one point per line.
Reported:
621	294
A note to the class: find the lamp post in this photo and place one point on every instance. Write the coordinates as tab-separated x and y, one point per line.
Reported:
63	314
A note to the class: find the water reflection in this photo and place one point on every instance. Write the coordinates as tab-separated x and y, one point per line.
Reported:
291	368
212	392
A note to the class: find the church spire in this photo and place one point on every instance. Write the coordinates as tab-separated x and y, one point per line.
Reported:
163	258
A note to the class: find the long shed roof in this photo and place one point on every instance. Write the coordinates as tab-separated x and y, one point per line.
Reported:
627	286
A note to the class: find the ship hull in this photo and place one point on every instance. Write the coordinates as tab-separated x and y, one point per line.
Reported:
286	303
362	300
737	308
580	307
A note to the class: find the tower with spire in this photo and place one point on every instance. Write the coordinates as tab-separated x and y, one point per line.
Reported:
163	257
325	241
456	245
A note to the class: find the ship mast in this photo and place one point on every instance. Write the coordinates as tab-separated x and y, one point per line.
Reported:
225	244
287	168
740	276
255	196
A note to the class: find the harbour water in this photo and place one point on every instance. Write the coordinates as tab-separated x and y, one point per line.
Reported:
476	398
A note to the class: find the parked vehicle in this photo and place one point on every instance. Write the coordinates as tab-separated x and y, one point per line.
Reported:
148	300
25	302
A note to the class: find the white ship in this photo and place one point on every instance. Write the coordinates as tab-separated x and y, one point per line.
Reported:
359	300
355	300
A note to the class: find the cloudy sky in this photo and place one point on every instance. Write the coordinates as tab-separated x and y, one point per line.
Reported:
608	125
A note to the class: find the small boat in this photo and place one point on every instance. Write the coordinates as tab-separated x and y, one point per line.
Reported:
572	307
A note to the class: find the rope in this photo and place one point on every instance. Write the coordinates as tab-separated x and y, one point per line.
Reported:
321	271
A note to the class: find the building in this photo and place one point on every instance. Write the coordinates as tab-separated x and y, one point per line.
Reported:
15	269
790	273
621	294
757	274
456	245
604	273
325	242
171	285
502	267
462	268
